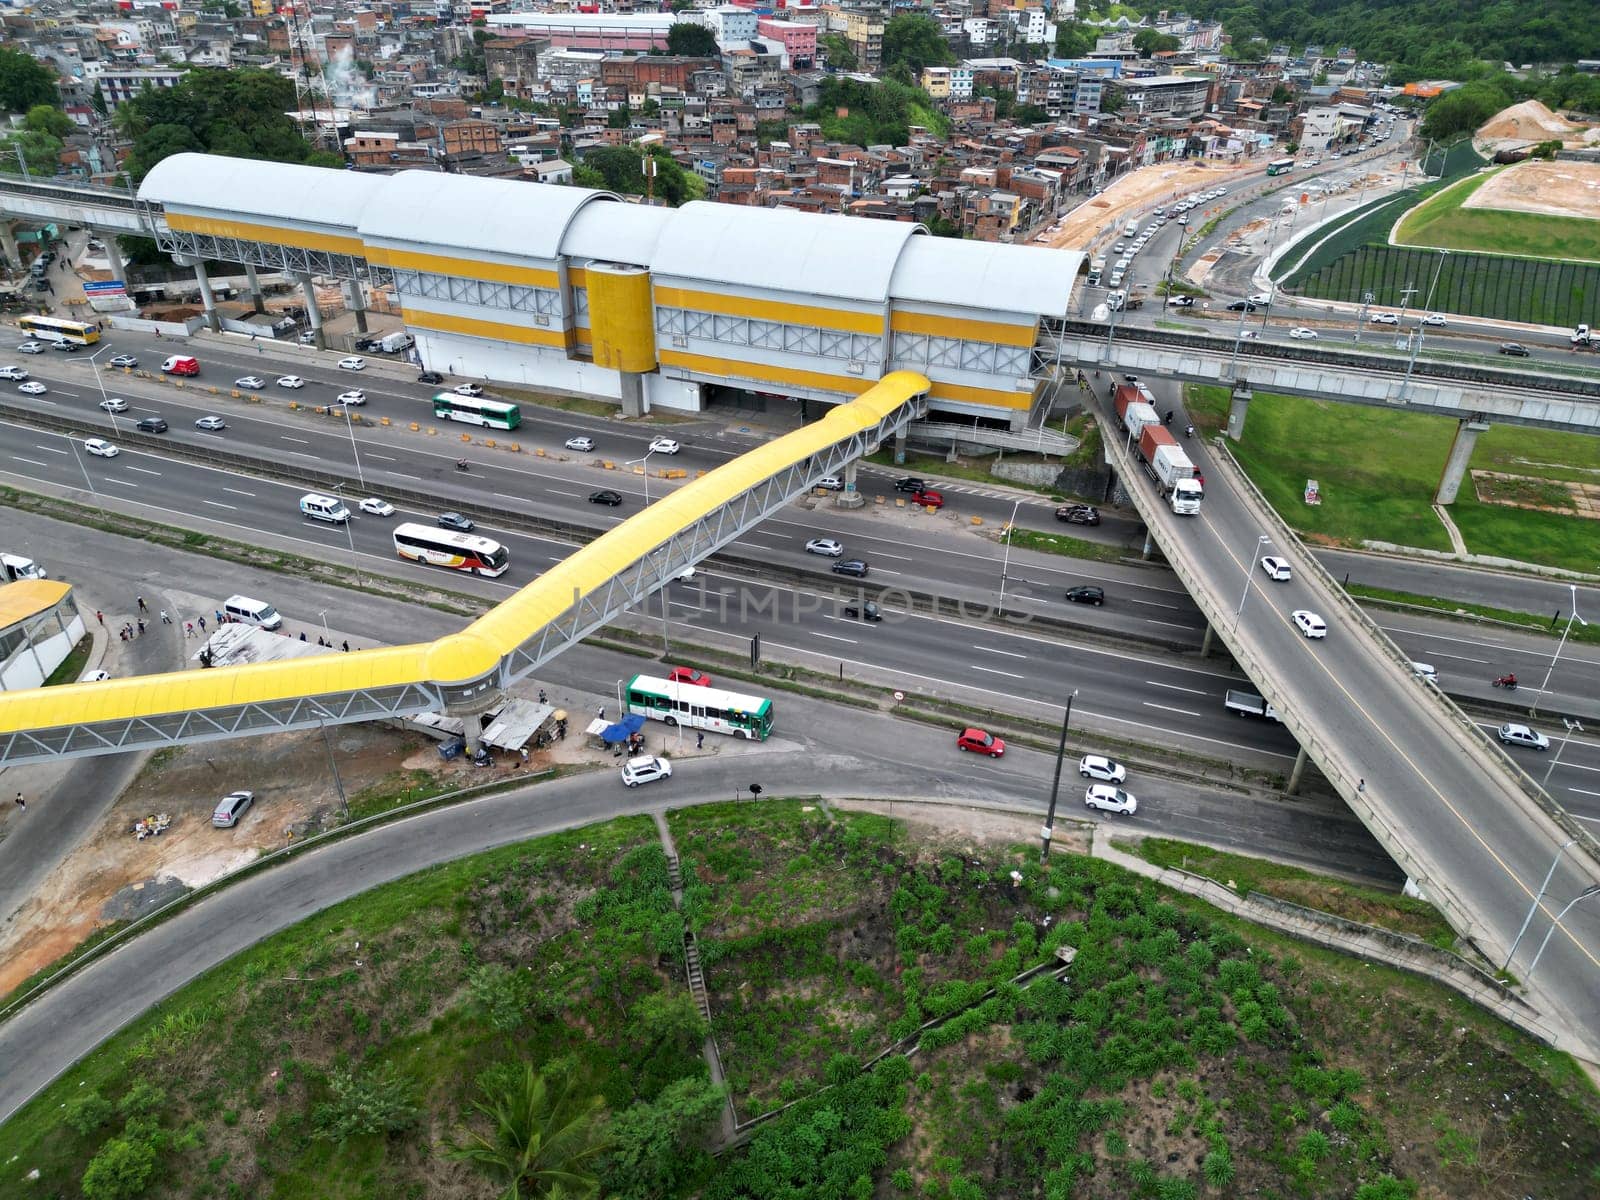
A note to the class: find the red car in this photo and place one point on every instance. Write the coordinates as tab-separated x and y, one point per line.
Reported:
980	742
689	675
928	499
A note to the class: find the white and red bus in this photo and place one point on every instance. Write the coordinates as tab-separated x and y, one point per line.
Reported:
444	548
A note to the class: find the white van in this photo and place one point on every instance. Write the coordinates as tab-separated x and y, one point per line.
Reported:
251	612
318	507
1131	229
393	343
18	566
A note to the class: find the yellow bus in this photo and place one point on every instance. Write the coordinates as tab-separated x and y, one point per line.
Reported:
56	329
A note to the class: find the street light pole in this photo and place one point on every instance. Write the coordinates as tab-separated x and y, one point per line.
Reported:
1592	890
1571	617
1005	566
1534	907
1572	728
1244	595
105	401
645	463
1055	785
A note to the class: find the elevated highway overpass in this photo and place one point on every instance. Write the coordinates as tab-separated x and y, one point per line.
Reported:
1469	827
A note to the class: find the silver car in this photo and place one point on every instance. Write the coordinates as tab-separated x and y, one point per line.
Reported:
230	808
1522	735
826	547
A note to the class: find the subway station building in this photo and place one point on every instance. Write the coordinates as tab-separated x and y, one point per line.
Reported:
574	290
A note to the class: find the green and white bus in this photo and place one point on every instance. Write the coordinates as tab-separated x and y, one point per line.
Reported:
1281	166
476	410
697	707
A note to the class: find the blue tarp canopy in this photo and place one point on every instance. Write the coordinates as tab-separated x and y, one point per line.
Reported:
622	730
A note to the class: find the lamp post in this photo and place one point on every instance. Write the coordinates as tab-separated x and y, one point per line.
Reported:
105	401
1244	595
1572	727
1005	566
644	462
1427	307
350	428
1571	617
1592	890
84	467
1238	338
1055	785
1534	907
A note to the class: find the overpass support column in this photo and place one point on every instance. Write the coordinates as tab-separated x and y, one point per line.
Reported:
632	393
1455	467
1205	641
258	301
313	313
1236	410
1296	771
849	497
358	303
900	448
213	321
119	269
8	243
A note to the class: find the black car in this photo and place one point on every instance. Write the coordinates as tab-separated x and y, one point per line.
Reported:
366	344
911	484
430	377
454	520
151	425
1078	514
850	566
1087	594
605	496
1514	349
863	612
1241	306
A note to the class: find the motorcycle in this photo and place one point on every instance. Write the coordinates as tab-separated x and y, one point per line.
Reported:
1509	682
461	464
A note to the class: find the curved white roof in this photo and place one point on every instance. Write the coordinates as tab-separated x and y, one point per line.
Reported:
849	257
245	187
624	233
1028	280
494	216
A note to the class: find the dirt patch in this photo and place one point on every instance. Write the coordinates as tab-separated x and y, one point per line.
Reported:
1531	121
1567	499
1133	191
1551	189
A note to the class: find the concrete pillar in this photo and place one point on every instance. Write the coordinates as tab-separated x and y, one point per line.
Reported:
8	243
357	296
119	269
850	497
258	300
1296	772
213	321
900	448
632	393
313	313
1205	641
1467	431
1149	544
1236	410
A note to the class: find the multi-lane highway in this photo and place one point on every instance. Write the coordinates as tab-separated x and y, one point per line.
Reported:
1138	695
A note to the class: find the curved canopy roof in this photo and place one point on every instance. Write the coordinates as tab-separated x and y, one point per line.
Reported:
624	233
493	216
1028	280
244	187
849	257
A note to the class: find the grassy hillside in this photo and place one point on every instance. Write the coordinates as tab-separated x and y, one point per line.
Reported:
1440	221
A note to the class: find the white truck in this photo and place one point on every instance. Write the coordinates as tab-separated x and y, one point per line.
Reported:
1248	704
1582	336
15	566
1177	479
393	343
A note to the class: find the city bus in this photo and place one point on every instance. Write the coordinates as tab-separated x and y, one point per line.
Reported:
56	329
1281	166
476	410
698	707
445	548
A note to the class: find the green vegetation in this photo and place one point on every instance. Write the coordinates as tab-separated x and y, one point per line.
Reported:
621	169
1378	470
692	41
1353	901
38	142
912	41
1442	221
381	1049
874	113
1544	622
835	48
24	82
72	666
1072	547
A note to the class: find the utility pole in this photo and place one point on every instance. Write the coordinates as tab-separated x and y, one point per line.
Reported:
1055	784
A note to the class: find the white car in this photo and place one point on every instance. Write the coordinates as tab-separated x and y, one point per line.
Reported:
468	389
101	448
1183	220
1110	799
96	677
826	547
354	398
211	423
1425	672
32	388
1301	334
31	348
1310	623
353	362
645	769
1260	298
291	381
114	405
250	382
579	443
1098	766
664	445
1276	568
1384	319
378	508
1433	319
1249	335
1521	735
14	374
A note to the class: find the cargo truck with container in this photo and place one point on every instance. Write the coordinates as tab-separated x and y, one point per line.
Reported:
1248	704
1135	407
1167	464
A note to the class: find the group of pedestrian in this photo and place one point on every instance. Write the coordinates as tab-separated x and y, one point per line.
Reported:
127	633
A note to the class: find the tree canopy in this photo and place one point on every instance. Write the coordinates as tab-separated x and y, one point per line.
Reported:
1151	41
24	82
621	168
914	41
692	40
874	114
241	113
835	48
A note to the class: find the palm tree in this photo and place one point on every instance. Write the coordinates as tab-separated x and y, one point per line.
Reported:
544	1138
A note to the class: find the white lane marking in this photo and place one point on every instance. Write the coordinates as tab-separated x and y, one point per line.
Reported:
896	574
220	504
835	638
559	492
896	557
992	671
301	441
403	475
142	470
505	496
114	479
239	492
52	449
1164	708
1172	687
1173	625
381	457
1007	653
32	462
